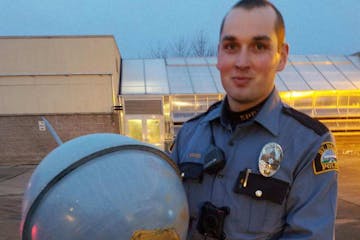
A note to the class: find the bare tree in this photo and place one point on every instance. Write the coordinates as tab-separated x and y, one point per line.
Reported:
180	48
201	46
159	52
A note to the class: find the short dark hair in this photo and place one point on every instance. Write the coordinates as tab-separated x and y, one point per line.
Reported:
251	4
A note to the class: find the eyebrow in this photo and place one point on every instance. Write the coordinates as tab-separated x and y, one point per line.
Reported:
228	38
256	38
262	38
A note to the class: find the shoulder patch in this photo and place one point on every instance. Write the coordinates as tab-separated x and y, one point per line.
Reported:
318	127
325	159
212	107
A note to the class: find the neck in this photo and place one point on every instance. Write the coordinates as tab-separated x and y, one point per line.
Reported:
237	117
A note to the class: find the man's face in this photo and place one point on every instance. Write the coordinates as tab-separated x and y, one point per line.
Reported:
249	56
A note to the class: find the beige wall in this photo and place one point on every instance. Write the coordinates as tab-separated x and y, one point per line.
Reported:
58	55
58	74
56	94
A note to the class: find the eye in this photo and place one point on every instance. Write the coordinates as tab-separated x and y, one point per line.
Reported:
259	46
230	47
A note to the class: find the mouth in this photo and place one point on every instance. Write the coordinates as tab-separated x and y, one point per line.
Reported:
241	80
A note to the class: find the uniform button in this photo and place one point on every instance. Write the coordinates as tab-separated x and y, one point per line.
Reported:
258	193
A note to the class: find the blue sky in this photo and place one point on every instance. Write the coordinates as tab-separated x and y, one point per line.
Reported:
329	27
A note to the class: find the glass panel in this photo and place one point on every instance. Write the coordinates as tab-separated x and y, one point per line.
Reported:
330	72
179	81
354	101
183	108
216	76
347	68
343	104
135	129
211	60
326	106
355	60
132	90
153	131
133	77
309	73
302	101
202	79
305	102
204	102
292	79
326	101
196	61
280	86
183	104
175	61
354	105
155	77
180	117
342	124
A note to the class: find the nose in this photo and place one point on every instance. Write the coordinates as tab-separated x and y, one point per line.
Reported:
243	59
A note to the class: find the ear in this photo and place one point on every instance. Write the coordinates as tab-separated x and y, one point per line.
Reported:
284	52
218	54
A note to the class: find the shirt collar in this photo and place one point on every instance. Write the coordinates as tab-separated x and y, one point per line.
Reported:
213	114
268	116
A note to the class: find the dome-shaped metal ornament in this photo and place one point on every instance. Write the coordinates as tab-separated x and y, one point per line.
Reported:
105	186
269	160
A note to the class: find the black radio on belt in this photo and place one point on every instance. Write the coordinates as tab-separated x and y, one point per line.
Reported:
211	221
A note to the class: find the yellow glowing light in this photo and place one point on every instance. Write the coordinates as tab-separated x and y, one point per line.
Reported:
325	93
182	104
296	94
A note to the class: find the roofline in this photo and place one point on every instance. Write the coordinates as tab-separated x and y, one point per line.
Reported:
55	36
64	37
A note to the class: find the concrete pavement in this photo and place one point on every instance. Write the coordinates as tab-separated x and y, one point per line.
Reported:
13	180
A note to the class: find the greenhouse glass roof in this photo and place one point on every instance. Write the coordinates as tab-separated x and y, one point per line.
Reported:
198	75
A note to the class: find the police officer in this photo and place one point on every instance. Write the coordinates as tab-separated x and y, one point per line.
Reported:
253	167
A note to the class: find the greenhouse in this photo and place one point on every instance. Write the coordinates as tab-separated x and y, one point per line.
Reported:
158	95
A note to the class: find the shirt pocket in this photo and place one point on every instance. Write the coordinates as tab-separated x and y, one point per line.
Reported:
265	216
258	217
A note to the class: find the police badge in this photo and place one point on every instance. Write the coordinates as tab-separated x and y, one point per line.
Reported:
269	160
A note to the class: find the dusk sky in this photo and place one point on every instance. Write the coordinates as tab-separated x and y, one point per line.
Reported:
330	27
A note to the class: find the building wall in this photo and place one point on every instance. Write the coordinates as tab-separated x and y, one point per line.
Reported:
21	141
62	74
58	55
73	80
56	94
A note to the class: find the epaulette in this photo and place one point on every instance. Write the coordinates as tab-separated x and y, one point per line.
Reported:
212	107
306	120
